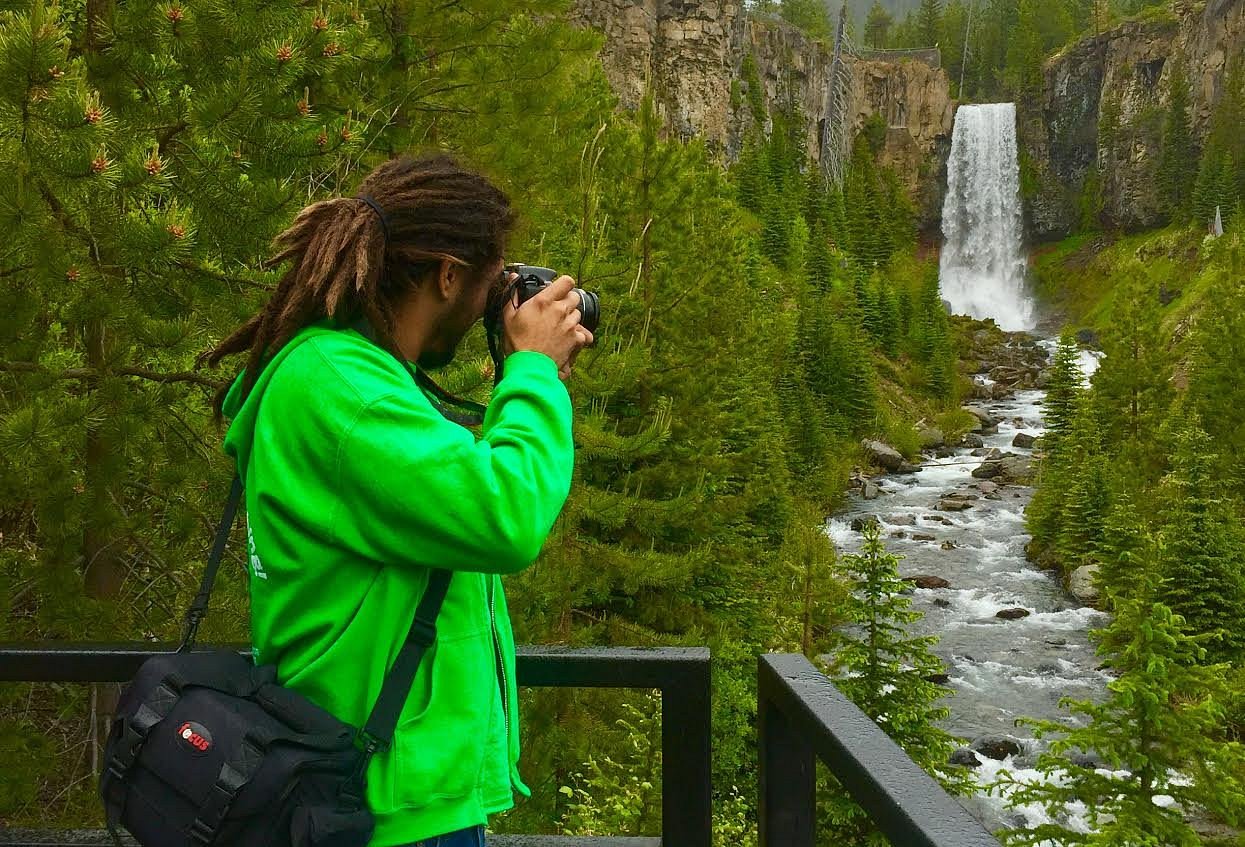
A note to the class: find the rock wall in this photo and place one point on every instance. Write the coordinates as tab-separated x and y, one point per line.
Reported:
691	54
1098	134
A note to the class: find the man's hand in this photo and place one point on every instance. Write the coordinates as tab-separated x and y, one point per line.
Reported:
548	323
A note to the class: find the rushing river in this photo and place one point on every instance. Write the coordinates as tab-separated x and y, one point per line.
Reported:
999	669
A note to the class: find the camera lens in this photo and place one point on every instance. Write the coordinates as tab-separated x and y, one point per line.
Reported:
590	308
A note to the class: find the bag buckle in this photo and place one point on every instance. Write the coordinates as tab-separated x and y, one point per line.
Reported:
201	832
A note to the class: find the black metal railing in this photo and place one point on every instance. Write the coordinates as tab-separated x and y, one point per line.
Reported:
802	716
680	674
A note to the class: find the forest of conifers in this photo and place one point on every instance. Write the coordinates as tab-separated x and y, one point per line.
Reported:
758	325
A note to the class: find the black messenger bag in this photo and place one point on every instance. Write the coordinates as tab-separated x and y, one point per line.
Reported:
207	748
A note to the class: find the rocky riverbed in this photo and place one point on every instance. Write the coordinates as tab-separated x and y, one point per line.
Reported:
1013	640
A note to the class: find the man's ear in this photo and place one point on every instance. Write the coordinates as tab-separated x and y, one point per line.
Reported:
449	278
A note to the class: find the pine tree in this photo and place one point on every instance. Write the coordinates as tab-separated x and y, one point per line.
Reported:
1204	556
1177	167
1084	498
1063	393
152	152
929	22
1133	381
1025	53
878	25
1158	733
884	671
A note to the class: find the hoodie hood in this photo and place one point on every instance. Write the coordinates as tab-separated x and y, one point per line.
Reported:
243	412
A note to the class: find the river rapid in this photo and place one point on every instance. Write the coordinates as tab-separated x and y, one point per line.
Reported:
999	670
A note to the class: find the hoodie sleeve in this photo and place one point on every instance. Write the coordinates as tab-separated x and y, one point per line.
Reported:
416	489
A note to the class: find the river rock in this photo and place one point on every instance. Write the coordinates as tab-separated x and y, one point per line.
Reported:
901	520
965	757
883	455
1024	439
859	524
931	437
972	439
988	470
906	467
997	747
949	505
942	602
869	489
899	533
1012	614
942	519
938	678
1081	585
920	536
927	581
987	487
1017	470
948	544
980	451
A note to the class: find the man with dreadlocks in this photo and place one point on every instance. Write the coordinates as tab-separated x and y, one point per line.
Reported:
357	485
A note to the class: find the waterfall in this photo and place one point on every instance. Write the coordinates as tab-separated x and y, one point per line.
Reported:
982	270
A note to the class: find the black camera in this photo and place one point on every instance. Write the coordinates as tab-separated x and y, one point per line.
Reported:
532	280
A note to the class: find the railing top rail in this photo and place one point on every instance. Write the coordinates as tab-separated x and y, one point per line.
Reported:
905	802
609	667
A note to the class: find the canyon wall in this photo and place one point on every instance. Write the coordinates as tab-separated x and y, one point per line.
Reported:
691	55
1094	143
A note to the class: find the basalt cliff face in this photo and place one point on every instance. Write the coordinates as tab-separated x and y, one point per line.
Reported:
1095	143
691	55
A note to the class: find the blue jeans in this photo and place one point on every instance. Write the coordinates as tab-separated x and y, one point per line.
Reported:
472	836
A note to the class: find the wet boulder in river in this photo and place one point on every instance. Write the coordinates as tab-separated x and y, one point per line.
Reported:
883	455
949	505
869	489
927	581
1012	614
1024	439
859	524
997	747
972	439
901	520
965	757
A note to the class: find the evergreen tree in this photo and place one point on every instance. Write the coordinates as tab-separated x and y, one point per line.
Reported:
929	22
811	16
1084	498
1133	381
1158	734
1063	393
1177	167
1204	556
1025	53
878	25
884	671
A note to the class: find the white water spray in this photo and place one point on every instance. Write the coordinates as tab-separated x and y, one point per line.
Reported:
982	269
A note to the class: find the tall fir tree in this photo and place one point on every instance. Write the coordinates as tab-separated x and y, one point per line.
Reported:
929	22
1203	565
878	26
1177	168
885	671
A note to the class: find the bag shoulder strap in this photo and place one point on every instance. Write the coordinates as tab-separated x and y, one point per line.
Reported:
199	606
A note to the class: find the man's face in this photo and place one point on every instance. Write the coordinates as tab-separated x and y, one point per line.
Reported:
466	307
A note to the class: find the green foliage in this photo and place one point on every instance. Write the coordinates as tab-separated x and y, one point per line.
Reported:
812	16
1158	733
1178	158
878	25
929	21
883	670
1203	562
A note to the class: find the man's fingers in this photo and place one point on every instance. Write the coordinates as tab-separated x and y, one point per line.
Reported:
557	289
585	335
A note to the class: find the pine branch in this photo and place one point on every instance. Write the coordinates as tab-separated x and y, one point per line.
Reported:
92	373
225	278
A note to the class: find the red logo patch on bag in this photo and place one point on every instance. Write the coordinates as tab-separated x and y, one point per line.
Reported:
196	735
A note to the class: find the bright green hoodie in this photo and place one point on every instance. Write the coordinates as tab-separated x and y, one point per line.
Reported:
355	487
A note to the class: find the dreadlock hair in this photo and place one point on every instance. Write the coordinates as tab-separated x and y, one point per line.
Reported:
350	259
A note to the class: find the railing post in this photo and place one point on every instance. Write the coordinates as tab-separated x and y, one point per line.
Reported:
787	771
687	775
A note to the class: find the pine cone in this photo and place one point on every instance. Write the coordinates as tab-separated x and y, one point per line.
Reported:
320	24
175	14
99	164
176	230
330	50
284	53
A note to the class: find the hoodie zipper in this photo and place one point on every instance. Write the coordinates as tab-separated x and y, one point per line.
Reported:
501	670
